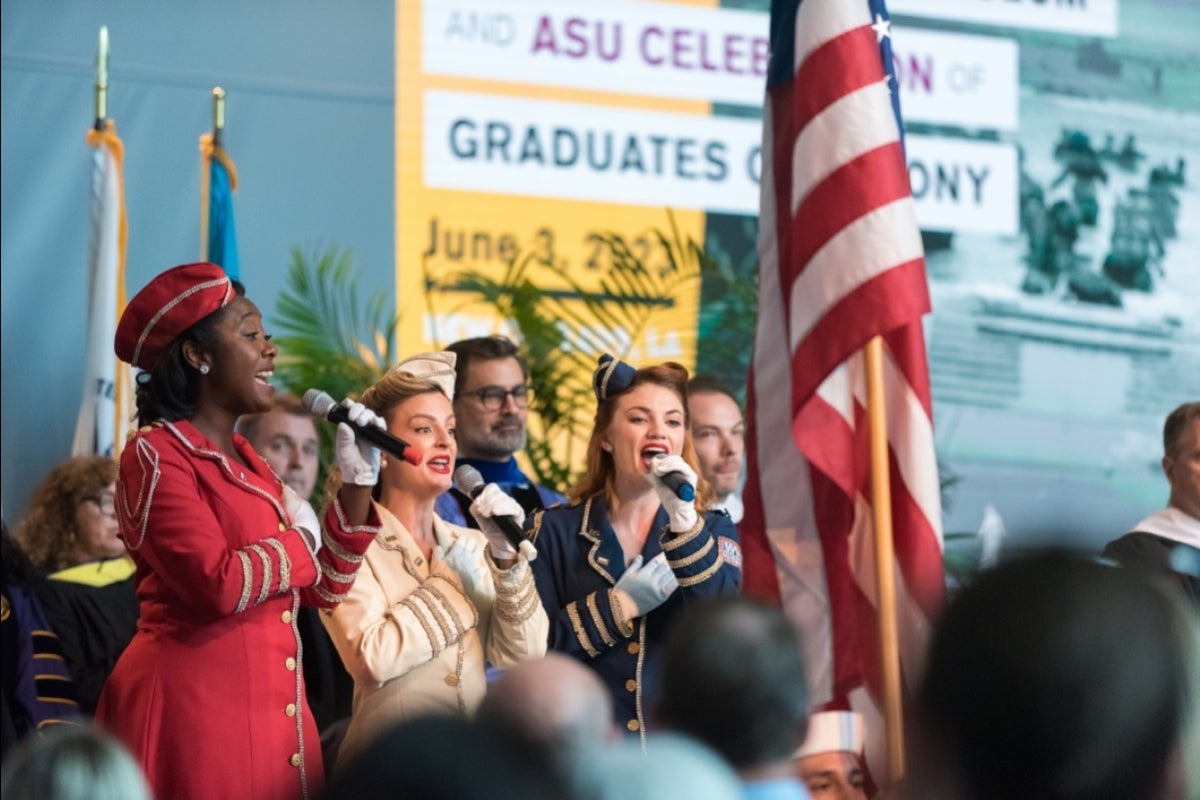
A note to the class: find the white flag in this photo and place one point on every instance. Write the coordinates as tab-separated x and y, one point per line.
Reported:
104	414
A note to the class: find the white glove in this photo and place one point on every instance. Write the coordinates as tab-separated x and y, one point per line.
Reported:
648	585
682	512
303	518
357	458
492	501
465	557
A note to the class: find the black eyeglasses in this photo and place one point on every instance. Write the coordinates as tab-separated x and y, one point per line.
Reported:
105	502
492	397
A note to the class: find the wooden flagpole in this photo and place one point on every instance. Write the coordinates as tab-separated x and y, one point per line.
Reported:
885	560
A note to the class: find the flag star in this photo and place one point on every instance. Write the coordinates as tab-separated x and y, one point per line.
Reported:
882	28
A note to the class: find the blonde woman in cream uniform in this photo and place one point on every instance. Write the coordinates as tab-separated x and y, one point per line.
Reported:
433	603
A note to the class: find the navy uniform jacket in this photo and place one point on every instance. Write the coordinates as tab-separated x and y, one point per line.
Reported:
579	560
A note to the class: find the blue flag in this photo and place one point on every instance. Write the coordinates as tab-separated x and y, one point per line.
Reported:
222	236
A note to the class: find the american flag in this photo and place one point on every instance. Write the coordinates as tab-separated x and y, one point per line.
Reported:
840	262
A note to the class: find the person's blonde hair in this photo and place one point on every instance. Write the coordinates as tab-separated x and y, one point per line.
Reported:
600	477
47	533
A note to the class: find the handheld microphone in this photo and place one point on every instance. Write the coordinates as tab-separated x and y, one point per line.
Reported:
322	406
471	483
677	482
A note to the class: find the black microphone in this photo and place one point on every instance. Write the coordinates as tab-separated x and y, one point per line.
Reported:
677	482
470	483
322	406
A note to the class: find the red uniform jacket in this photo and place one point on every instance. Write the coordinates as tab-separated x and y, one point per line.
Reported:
209	695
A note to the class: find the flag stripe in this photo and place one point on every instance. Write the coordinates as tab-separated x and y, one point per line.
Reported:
869	309
841	79
818	23
865	248
826	134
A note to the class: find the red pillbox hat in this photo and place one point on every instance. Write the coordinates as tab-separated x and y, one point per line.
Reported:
167	306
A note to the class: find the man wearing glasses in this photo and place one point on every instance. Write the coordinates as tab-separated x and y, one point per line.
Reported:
491	405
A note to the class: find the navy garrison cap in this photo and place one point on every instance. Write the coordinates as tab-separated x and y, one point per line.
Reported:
612	377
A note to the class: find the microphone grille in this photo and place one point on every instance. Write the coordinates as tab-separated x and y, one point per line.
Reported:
317	403
468	479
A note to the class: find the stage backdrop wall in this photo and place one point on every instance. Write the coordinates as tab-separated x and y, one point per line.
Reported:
1051	150
309	127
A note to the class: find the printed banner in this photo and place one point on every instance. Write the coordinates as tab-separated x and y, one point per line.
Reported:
576	151
1084	17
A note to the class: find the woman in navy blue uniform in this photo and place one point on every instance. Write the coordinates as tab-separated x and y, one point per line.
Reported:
616	566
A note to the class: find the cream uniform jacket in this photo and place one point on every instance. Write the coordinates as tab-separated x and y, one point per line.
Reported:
415	634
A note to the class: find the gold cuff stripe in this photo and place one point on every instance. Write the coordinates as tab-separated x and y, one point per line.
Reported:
624	626
460	625
705	575
580	633
686	561
285	564
423	596
601	625
334	599
265	590
673	541
520	605
247	574
345	525
423	620
339	551
338	577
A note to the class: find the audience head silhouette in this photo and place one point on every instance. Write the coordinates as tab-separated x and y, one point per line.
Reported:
733	677
1057	677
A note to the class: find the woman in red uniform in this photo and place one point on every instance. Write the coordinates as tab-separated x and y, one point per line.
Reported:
209	695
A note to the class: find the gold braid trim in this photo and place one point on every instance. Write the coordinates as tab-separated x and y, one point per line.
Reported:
624	626
670	540
422	618
265	591
339	551
537	525
285	564
693	558
520	605
460	626
580	633
601	625
247	577
337	577
427	600
641	661
327	596
705	575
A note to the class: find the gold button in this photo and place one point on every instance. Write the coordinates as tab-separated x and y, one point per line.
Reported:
452	680
295	759
290	664
290	710
286	617
634	648
282	527
633	725
631	685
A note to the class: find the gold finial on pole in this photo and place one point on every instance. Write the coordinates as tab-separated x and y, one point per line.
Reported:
218	95
102	79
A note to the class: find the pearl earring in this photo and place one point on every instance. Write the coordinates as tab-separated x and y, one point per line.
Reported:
607	447
204	369
383	462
